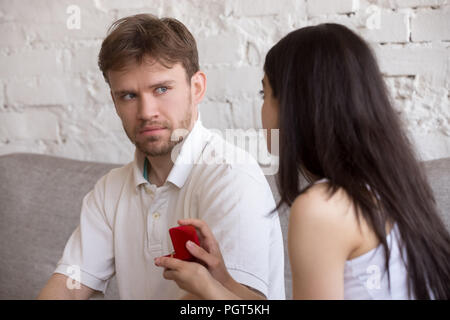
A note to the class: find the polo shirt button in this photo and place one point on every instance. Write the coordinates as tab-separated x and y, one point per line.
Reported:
156	215
148	189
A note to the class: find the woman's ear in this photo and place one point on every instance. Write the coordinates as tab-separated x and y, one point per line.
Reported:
198	87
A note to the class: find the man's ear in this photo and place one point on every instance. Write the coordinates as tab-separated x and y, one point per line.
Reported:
198	87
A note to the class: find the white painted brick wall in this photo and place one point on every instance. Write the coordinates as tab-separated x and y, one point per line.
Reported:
216	49
430	25
227	82
29	62
53	98
319	7
2	96
266	7
31	125
418	3
396	28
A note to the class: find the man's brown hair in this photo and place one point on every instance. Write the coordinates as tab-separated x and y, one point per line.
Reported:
166	40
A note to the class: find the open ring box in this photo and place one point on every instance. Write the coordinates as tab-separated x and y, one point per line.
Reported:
179	236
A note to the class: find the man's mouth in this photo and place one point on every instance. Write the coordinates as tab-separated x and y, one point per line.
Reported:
151	130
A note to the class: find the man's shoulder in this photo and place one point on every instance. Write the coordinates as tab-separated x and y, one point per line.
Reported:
223	158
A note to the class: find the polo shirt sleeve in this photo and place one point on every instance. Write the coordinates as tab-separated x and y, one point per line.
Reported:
88	256
237	207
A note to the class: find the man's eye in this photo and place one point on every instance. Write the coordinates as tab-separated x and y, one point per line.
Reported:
128	96
161	90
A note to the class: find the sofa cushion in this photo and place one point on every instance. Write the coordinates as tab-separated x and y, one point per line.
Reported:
40	199
438	174
40	202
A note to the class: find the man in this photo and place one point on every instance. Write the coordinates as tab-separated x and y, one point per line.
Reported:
151	66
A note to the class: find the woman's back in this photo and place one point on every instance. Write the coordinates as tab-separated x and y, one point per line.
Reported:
365	275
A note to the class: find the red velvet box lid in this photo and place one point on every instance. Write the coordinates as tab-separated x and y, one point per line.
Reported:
180	235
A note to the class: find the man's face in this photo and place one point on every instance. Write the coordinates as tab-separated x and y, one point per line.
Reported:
153	101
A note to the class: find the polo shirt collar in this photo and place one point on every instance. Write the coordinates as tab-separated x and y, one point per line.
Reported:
189	152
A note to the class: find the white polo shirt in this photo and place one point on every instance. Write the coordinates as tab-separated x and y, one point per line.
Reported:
125	220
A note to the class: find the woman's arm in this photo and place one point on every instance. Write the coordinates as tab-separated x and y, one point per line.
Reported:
210	279
321	237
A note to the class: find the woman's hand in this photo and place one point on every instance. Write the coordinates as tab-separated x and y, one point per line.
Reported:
190	276
208	279
208	253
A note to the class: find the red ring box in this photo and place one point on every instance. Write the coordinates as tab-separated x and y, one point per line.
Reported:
180	235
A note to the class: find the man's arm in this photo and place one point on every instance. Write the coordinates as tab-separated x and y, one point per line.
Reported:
57	289
90	248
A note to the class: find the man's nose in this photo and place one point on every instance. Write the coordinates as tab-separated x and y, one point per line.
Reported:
147	108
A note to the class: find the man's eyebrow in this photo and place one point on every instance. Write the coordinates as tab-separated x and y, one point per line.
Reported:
162	84
152	86
262	81
122	92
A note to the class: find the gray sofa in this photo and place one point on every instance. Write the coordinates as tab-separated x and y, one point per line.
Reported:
40	201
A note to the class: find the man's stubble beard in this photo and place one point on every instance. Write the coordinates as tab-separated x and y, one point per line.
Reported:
164	147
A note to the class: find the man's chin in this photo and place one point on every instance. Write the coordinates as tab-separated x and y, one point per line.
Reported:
155	149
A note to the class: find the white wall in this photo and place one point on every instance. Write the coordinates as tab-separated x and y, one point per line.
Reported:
53	99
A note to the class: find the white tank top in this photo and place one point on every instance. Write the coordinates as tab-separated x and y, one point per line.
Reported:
365	277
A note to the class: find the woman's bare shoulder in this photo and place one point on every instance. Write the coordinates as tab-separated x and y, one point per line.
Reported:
318	202
320	213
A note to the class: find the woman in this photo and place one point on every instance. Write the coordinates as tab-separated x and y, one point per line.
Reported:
366	226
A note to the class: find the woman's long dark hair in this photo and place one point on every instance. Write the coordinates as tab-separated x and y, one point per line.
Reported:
337	122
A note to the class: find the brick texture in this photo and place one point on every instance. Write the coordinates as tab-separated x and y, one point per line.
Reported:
53	98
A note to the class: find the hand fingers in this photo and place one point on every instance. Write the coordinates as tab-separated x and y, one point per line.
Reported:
169	263
200	253
199	224
170	274
204	229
